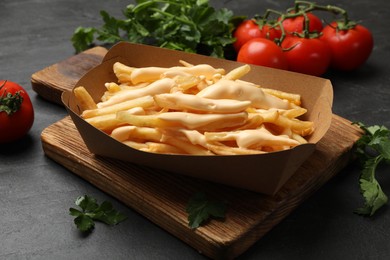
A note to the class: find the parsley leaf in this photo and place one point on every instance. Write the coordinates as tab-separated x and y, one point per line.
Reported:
372	148
191	25
83	38
200	209
91	211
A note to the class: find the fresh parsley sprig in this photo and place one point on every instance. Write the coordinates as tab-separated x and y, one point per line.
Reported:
185	25
200	209
91	211
372	148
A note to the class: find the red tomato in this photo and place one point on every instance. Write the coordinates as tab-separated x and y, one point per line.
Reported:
263	52
16	112
305	55
297	24
244	32
270	32
350	48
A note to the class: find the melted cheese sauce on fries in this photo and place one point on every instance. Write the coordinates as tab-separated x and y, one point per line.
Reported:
196	110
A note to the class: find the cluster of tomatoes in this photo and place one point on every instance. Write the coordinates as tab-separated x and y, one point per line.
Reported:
300	41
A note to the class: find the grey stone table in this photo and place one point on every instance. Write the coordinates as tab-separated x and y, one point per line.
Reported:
36	193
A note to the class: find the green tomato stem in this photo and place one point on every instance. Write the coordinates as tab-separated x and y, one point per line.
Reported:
327	8
5	82
301	8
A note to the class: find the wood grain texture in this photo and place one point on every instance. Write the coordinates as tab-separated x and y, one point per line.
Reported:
161	197
50	82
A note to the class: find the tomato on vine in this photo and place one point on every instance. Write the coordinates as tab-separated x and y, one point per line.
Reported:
244	32
306	55
297	24
16	112
350	45
263	52
270	32
250	29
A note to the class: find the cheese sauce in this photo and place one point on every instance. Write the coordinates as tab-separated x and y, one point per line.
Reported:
255	137
229	89
179	100
157	87
193	121
149	74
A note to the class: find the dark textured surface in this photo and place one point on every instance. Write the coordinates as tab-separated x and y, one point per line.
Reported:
36	193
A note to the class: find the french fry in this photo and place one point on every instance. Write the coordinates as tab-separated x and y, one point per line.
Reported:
142	120
122	89
186	82
294	98
144	102
157	87
290	113
251	138
227	150
122	72
122	133
294	112
238	73
133	132
149	74
303	128
279	119
112	87
105	123
185	63
253	122
188	147
268	116
194	137
204	70
84	98
299	138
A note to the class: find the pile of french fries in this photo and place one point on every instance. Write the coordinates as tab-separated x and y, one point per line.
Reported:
195	110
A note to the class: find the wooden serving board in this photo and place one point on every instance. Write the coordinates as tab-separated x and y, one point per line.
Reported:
50	82
162	197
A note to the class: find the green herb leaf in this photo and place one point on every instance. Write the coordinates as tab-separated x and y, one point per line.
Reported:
91	211
110	32
372	148
370	188
200	209
84	223
191	26
109	215
83	38
10	103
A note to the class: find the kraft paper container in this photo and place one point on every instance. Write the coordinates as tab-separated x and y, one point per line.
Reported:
264	173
